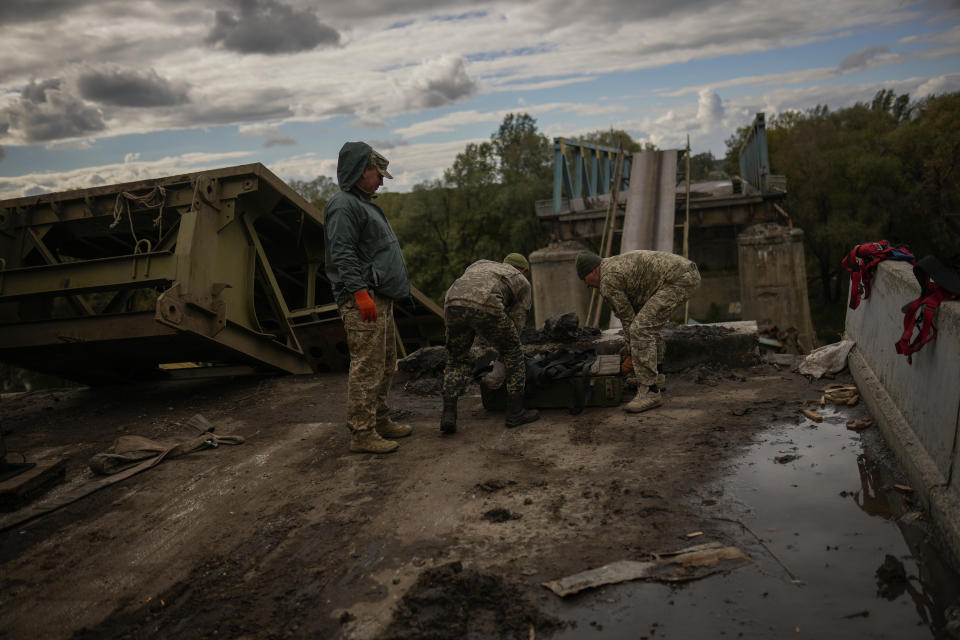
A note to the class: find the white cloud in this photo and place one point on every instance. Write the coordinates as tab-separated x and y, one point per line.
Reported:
709	110
130	170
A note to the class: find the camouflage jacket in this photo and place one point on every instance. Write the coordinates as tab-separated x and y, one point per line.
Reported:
492	286
627	281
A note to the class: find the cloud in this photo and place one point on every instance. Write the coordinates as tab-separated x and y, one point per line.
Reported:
12	11
536	86
47	112
384	145
279	141
936	86
79	144
709	109
269	27
861	59
272	137
250	106
133	170
131	157
439	82
130	88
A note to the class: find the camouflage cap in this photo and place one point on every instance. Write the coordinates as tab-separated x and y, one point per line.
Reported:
517	261
377	160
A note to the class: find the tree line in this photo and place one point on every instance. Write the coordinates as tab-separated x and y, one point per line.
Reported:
887	169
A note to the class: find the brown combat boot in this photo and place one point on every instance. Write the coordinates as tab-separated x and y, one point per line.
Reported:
448	419
644	400
391	429
371	442
516	414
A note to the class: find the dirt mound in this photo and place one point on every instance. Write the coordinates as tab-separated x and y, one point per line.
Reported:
453	602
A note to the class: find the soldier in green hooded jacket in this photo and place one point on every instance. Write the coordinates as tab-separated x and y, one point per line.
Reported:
367	272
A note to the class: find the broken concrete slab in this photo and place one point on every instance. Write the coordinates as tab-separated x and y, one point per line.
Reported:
729	344
687	564
22	489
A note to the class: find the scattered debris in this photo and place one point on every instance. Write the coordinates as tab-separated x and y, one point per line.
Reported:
694	534
790	457
831	358
891	578
846	394
813	415
687	564
903	487
501	515
859	425
26	486
129	456
452	601
491	486
859	614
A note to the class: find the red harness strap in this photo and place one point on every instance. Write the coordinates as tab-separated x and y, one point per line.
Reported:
862	263
920	312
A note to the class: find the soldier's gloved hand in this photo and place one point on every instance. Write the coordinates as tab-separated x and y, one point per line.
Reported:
368	310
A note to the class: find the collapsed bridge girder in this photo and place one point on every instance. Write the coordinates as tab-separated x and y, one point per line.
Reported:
222	267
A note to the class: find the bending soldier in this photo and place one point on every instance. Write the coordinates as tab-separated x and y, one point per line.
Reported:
643	288
490	299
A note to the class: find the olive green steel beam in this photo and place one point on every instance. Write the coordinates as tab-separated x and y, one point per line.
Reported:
82	330
79	303
274	293
102	274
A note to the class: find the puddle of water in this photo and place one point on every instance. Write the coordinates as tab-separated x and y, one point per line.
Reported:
828	518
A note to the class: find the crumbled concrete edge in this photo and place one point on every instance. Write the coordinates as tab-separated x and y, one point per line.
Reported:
925	477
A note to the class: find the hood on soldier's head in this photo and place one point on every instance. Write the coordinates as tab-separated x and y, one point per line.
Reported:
353	160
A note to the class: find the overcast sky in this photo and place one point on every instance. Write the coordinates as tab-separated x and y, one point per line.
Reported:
104	91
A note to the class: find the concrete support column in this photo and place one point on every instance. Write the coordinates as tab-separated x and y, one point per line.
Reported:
556	287
773	280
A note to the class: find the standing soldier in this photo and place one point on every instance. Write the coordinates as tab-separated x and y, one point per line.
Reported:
490	299
643	288
367	272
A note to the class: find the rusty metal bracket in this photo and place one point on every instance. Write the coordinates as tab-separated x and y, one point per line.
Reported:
136	252
208	190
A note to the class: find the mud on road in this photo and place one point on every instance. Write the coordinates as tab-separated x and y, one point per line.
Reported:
290	536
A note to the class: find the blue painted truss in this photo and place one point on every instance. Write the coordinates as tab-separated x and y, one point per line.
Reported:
592	172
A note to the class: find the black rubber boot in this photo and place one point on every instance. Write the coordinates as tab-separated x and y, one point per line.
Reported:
516	414
448	420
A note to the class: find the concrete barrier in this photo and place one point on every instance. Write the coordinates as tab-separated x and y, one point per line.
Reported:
917	407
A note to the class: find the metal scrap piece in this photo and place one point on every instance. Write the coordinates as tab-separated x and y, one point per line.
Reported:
684	565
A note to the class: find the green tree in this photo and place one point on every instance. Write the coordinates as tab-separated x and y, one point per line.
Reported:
483	207
928	146
616	139
317	191
701	164
844	181
524	154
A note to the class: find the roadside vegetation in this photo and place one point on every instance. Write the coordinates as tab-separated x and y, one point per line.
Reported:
888	170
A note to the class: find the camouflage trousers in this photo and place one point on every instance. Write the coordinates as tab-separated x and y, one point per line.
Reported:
373	359
647	348
463	325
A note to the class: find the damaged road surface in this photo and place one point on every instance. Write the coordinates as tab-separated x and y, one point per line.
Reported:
291	536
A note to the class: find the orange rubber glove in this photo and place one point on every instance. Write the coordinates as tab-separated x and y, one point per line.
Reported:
368	310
